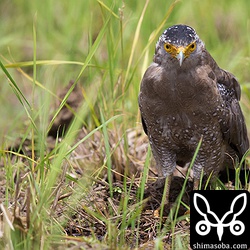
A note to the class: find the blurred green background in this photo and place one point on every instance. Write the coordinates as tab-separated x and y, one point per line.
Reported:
45	44
66	30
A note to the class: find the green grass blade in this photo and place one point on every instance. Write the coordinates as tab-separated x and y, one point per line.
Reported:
14	86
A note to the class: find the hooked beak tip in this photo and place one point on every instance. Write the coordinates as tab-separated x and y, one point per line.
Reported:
180	57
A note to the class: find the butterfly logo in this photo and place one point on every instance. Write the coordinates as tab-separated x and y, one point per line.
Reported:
210	219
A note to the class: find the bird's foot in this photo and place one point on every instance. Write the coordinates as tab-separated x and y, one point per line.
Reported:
156	188
155	193
158	184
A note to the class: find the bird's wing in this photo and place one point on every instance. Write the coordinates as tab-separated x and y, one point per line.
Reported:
234	128
150	76
233	123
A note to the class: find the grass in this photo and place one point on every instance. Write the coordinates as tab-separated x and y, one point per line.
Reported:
104	47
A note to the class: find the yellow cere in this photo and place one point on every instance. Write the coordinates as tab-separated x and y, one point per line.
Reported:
174	50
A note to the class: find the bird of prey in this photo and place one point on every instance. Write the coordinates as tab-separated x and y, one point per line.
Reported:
185	96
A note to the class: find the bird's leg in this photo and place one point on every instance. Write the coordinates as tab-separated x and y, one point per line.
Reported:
198	169
167	188
196	183
165	164
165	204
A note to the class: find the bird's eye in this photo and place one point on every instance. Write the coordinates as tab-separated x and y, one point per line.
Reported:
192	47
167	47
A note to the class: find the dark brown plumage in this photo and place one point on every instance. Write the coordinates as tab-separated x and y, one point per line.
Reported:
184	96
